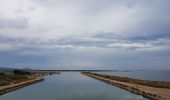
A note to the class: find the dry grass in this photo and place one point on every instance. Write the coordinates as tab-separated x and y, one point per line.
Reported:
157	84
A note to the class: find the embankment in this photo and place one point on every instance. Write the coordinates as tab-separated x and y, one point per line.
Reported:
151	93
12	87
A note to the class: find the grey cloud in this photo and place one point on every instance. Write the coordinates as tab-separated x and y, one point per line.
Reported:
126	17
151	37
8	23
99	41
64	51
60	29
116	37
107	35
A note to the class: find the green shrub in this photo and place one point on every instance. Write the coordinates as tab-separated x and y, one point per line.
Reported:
21	72
2	83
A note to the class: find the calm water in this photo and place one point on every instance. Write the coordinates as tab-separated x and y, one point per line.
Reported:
161	75
70	86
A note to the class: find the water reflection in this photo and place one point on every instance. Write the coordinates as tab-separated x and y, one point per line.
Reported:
70	86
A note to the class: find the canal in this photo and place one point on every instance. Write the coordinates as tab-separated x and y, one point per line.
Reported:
70	86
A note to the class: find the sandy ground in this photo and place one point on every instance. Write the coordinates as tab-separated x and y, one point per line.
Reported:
163	94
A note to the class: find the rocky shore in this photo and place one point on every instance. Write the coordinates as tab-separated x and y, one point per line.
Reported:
12	87
146	91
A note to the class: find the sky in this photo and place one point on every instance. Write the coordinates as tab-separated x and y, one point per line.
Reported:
85	34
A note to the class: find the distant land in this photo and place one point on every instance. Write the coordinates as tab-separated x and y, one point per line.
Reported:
29	69
6	69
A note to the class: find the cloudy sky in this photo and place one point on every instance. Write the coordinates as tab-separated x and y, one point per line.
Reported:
85	34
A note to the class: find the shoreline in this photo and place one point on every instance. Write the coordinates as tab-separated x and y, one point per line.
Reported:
151	93
12	87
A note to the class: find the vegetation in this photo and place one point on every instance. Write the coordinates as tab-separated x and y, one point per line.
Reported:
15	77
2	83
157	84
22	72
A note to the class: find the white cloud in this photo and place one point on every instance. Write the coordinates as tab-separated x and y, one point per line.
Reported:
65	46
155	45
129	45
58	19
6	47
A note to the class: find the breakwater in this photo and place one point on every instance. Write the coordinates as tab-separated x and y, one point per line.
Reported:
12	87
146	91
